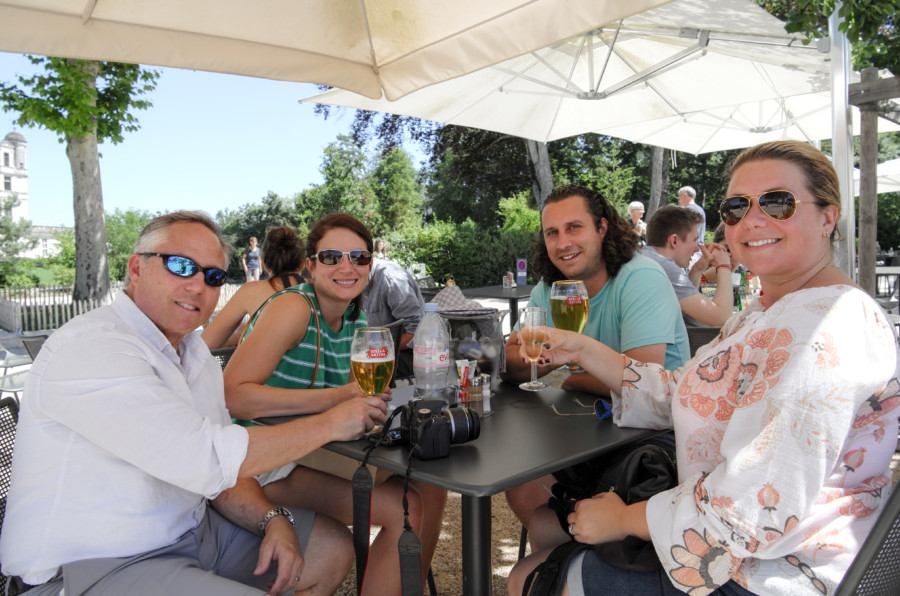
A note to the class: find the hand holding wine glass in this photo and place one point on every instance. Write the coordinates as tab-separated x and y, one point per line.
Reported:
569	309
532	321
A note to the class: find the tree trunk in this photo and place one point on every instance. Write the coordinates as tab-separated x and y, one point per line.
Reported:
868	193
91	266
659	179
543	173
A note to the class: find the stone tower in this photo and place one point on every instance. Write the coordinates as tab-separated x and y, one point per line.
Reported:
14	173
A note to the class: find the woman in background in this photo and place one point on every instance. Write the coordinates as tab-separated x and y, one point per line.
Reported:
282	257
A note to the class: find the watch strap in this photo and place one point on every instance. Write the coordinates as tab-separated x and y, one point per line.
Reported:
270	515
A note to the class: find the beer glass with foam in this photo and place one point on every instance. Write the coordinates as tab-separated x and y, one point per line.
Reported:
569	309
372	359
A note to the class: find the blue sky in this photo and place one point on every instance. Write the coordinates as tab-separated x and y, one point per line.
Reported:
210	141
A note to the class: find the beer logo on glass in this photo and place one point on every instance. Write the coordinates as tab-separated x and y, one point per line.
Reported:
574	300
378	352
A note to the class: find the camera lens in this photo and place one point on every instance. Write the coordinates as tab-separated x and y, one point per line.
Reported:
465	424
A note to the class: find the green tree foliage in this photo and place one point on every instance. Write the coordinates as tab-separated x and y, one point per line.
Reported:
122	229
596	162
472	170
870	26
255	220
459	249
85	103
399	200
518	215
63	263
346	187
15	238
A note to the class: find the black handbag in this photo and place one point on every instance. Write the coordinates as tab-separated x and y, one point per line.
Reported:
633	473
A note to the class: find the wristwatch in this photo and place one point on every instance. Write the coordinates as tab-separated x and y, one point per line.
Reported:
272	513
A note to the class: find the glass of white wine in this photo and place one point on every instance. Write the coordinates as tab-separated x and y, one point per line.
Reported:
372	359
532	321
569	309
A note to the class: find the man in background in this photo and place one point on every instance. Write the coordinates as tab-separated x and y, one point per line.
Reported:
392	294
686	198
672	241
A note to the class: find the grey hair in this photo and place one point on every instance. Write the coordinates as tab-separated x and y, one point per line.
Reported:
153	232
689	191
635	205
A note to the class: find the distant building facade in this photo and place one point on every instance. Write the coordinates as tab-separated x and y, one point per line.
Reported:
14	173
14	181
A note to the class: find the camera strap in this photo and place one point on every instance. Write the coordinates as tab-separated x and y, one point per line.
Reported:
362	502
409	546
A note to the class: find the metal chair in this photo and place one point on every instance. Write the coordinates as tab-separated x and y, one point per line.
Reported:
223	355
33	344
875	571
700	336
9	415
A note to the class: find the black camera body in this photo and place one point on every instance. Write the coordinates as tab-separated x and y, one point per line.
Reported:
430	427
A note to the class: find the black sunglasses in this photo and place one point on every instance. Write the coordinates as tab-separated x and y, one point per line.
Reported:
184	267
779	205
334	257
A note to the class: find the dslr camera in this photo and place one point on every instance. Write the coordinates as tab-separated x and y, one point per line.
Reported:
429	427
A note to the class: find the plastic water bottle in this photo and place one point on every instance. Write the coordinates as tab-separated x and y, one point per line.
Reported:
431	354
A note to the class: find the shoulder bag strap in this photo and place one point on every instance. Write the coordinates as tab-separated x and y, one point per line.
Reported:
312	309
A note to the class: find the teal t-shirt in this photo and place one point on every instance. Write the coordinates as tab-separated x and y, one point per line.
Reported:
635	308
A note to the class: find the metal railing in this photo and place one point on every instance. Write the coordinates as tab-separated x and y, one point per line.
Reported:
50	307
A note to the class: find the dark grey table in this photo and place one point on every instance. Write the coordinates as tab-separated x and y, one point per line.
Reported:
499	292
524	439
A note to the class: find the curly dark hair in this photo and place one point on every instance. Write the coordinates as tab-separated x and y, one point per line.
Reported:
619	244
340	220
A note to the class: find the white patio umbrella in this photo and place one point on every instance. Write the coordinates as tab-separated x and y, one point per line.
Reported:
805	117
368	46
887	176
671	61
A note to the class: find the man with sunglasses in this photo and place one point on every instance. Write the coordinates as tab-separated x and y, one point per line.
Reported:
672	240
124	440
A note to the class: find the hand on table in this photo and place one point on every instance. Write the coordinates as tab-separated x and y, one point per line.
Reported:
352	419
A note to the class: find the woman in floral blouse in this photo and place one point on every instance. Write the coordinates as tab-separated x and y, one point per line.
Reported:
784	425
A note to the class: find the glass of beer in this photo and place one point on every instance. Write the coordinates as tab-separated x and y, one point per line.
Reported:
569	309
372	359
532	320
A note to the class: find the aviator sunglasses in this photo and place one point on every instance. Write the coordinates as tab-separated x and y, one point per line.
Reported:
184	267
779	205
334	257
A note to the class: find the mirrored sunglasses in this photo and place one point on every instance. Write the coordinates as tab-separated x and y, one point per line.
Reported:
184	267
334	257
779	205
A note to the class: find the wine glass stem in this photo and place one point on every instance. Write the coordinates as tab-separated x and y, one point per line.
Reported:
534	371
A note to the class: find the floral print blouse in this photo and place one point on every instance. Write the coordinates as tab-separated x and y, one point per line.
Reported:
785	426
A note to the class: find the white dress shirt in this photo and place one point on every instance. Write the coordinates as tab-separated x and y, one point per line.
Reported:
120	442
